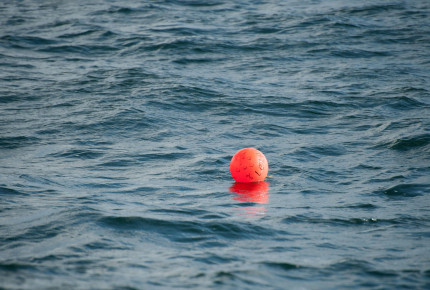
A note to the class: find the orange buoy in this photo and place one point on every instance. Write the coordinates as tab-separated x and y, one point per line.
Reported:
249	165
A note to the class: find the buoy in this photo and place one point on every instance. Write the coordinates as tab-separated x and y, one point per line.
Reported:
249	165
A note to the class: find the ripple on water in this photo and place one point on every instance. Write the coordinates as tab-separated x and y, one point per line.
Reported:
405	190
15	142
421	141
184	229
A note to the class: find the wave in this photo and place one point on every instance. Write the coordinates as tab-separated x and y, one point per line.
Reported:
342	221
405	190
16	266
78	154
14	142
285	266
353	265
83	49
183	230
411	142
16	41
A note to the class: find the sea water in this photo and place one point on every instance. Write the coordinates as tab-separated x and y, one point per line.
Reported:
118	121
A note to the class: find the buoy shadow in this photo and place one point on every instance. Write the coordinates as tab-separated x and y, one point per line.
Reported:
256	192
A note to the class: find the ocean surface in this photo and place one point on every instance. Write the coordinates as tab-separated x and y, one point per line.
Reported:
118	121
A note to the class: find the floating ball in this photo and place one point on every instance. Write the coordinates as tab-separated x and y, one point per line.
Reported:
249	165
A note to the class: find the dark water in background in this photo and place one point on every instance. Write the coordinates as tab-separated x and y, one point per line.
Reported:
118	120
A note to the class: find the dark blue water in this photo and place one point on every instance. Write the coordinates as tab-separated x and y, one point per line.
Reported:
118	120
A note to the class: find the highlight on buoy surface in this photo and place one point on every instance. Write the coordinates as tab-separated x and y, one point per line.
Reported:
249	165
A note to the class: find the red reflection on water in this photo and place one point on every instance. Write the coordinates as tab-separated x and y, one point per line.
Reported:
253	192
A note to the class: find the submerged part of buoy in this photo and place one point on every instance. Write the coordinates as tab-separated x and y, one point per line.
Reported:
249	165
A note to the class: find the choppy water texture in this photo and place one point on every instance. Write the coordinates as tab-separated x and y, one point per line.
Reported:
118	120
